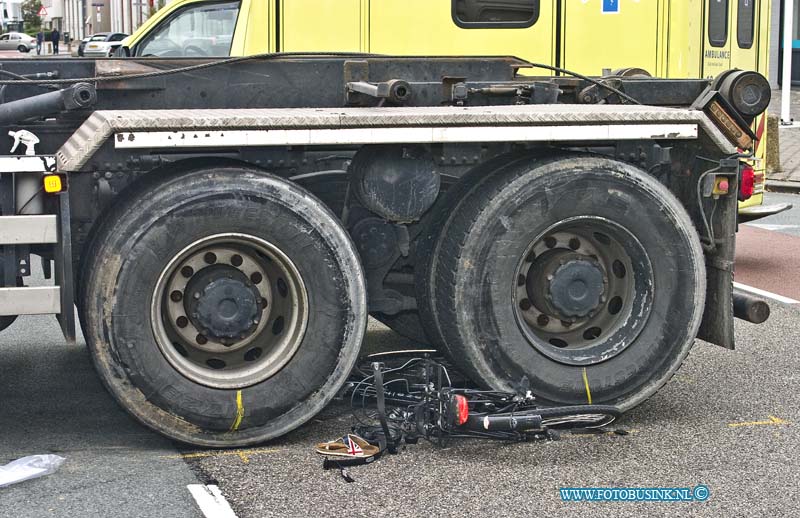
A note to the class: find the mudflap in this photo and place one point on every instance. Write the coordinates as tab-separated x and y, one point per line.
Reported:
63	269
717	324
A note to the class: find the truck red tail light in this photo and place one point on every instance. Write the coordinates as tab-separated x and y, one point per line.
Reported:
461	408
747	182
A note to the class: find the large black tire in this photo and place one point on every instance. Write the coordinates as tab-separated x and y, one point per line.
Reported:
155	225
6	321
438	224
477	268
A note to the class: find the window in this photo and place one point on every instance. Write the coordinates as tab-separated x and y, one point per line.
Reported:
4	37
469	14
745	27
117	37
718	22
197	31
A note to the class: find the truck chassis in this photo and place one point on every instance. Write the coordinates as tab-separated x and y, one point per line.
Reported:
225	227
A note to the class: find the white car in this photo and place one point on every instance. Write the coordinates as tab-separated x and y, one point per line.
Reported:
17	41
102	45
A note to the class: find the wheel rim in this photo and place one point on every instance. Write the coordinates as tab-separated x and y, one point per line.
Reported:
583	290
229	311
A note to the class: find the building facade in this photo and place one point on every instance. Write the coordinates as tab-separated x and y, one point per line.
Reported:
83	18
54	19
11	15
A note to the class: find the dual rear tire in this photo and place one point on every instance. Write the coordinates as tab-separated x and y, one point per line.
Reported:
582	275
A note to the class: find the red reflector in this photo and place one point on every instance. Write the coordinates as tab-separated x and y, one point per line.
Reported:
462	409
747	181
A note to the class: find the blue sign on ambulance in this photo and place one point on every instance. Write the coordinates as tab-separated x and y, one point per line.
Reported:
611	6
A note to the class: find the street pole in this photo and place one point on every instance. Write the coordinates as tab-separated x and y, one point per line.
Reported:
786	82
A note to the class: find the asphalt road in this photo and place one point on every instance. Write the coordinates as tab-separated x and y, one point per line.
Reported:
767	250
727	420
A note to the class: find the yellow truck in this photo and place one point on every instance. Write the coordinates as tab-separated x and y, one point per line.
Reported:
666	38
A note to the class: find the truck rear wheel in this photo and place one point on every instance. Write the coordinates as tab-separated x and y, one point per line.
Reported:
583	274
223	307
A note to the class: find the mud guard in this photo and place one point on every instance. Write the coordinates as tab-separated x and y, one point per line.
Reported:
717	324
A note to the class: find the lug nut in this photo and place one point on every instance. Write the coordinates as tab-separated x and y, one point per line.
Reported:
542	320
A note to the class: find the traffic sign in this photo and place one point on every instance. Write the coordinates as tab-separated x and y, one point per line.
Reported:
42	12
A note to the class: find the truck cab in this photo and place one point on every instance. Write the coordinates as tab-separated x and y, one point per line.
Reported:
203	28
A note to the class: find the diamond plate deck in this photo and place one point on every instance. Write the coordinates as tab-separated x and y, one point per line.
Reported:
101	125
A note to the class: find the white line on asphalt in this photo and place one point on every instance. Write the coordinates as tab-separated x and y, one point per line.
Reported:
765	293
767	226
211	501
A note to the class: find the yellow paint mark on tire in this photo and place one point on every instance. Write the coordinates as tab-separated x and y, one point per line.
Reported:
239	412
586	384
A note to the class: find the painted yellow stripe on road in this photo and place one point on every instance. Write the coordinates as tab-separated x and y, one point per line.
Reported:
774	421
586	384
239	412
242	454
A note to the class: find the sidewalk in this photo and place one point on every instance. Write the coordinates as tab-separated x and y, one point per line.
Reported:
786	175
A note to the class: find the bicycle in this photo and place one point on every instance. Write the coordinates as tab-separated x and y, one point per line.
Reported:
415	398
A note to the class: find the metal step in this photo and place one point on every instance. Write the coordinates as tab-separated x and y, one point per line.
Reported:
28	230
39	300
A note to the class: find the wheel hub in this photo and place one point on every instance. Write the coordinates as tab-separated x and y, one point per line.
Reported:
583	290
576	287
223	303
229	310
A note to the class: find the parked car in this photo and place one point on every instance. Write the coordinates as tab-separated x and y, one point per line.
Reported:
17	40
100	45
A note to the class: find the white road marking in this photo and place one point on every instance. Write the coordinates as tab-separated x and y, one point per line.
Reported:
211	502
765	293
768	226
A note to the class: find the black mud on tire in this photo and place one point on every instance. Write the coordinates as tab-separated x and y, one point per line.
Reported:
472	273
160	219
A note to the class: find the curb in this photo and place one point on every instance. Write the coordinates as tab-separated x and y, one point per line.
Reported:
783	186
